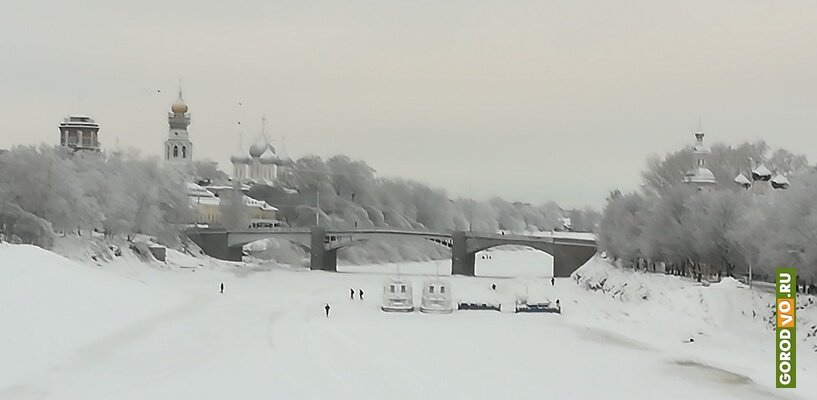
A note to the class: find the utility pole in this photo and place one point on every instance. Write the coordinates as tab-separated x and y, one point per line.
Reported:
471	209
750	274
471	216
318	205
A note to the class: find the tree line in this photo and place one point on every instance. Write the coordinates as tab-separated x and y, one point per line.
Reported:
346	193
49	190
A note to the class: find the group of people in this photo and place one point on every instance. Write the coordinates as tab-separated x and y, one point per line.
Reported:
352	294
328	308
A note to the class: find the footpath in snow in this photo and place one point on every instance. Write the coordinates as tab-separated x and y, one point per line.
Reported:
132	330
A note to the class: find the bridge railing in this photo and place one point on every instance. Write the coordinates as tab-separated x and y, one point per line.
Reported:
560	237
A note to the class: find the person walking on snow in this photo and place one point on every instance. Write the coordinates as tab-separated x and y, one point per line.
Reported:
361	293
222	287
351	294
327	308
552	281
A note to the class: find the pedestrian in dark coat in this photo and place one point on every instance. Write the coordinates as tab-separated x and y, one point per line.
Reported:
327	308
222	287
361	293
351	294
552	281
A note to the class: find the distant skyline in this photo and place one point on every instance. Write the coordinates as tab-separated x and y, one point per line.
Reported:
531	100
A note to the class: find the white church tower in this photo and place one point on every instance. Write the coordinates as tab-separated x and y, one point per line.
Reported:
700	176
178	147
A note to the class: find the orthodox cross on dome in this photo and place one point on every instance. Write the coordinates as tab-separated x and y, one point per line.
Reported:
262	138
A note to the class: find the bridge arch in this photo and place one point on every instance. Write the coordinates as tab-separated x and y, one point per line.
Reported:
241	238
341	239
567	257
513	261
546	248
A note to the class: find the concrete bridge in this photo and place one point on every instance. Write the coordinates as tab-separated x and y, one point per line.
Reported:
569	250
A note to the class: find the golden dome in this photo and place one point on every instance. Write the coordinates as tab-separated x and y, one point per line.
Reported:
179	107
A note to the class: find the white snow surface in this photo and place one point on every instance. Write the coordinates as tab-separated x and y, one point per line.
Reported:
728	283
132	330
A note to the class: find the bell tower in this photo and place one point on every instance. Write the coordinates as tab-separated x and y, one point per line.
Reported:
178	147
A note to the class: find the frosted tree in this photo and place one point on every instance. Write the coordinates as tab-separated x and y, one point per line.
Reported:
785	162
748	238
16	223
662	174
206	170
234	213
622	225
585	220
509	217
710	218
45	181
120	193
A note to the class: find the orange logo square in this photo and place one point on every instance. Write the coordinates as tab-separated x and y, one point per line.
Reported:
785	313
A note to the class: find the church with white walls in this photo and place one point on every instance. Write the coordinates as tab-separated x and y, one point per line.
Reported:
261	163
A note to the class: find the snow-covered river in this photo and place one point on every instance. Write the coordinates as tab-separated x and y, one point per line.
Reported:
128	331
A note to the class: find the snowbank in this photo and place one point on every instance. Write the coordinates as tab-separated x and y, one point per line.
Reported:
51	306
695	309
728	283
598	274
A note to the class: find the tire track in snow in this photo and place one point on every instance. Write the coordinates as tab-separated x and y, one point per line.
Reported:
102	349
289	342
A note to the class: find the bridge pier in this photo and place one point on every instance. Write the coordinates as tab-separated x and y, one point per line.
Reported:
463	262
567	259
214	244
319	257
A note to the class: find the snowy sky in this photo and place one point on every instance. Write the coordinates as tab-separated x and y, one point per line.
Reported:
530	100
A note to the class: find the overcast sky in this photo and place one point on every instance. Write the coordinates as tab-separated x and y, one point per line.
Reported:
530	100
